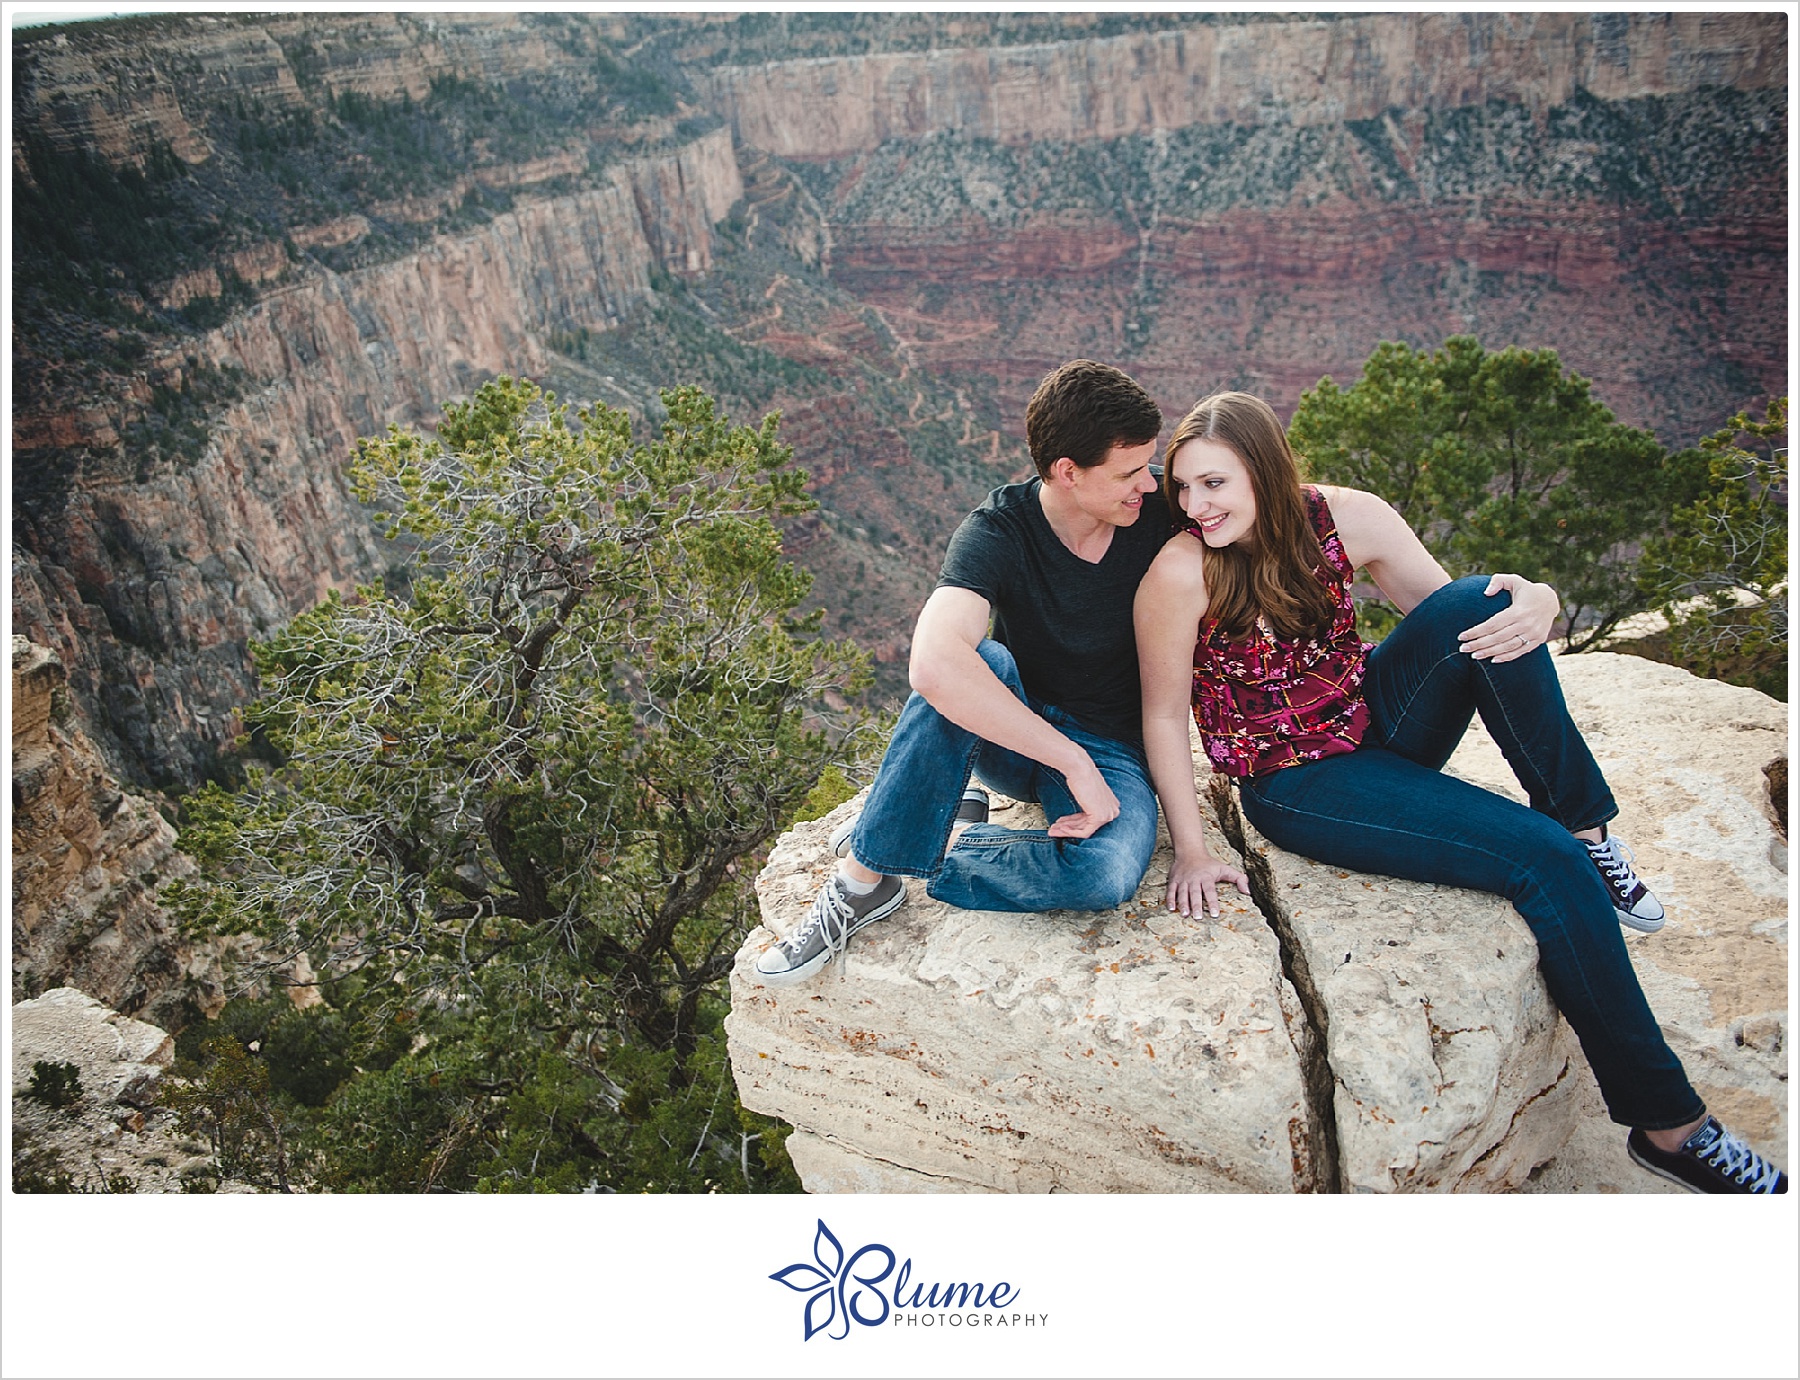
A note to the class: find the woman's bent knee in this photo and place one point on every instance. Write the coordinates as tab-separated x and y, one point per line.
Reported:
1464	599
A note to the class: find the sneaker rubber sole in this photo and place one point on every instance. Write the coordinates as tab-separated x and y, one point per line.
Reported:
1656	1169
1637	922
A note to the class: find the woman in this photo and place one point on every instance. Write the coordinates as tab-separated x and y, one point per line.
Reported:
1246	617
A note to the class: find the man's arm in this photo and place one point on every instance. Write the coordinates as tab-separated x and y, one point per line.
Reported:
948	671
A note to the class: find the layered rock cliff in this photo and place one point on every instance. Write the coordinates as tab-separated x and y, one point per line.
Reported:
148	579
1259	205
1322	72
87	861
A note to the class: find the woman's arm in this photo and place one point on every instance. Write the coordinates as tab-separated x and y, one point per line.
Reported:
1377	539
1170	603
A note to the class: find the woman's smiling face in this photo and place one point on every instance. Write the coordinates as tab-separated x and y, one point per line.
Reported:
1212	485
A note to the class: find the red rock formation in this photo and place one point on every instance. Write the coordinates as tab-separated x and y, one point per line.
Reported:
1258	298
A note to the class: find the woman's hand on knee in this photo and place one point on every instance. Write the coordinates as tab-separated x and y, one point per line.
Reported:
1194	884
1523	626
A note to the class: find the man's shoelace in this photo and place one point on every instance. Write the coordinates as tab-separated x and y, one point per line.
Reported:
831	914
1731	1157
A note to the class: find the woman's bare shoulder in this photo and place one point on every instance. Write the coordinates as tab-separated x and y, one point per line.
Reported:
1182	561
1358	513
1340	497
1172	594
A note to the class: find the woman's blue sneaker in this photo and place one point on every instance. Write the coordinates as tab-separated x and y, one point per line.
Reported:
1712	1160
1636	907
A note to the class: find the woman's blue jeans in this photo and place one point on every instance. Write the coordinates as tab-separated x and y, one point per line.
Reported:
1388	808
907	818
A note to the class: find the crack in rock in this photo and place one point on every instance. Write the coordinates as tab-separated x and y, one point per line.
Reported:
1317	1077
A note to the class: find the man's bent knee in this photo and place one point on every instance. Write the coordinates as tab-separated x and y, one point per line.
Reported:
999	659
1106	873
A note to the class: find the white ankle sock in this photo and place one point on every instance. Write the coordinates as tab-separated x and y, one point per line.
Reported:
854	887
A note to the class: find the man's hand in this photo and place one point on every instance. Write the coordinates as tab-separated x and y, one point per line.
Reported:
1194	883
1515	630
1098	803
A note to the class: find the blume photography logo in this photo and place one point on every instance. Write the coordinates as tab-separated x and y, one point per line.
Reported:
865	1288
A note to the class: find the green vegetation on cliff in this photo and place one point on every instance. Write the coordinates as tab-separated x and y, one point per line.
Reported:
1719	574
519	812
1501	461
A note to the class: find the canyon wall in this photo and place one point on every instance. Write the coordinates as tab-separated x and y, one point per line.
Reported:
1259	205
1322	72
119	89
149	585
1222	204
88	859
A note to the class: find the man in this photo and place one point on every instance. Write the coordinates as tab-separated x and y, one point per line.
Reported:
1045	709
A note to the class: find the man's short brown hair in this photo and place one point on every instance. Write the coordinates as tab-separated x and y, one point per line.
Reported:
1082	410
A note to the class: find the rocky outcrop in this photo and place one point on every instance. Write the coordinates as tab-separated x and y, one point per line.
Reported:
1322	72
113	1138
119	1059
87	860
149	584
1043	1053
1397	1036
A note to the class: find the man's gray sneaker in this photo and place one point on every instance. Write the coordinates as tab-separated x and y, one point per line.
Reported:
1631	899
835	916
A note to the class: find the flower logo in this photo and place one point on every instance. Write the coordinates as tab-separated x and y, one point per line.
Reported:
838	1287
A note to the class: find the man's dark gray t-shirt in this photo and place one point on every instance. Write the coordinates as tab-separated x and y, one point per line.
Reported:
1067	622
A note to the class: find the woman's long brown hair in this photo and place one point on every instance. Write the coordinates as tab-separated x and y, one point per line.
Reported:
1276	577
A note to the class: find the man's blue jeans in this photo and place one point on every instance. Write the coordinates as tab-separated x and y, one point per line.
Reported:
910	810
1388	808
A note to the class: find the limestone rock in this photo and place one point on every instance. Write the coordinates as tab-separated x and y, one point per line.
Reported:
1132	1051
1350	68
1451	1070
1399	1033
115	1054
115	1138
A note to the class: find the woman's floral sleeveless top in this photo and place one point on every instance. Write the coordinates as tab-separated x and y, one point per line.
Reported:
1267	703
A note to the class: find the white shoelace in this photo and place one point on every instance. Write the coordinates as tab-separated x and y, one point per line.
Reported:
1737	1160
1615	858
831	914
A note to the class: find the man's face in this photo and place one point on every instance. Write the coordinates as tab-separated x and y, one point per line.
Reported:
1113	491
